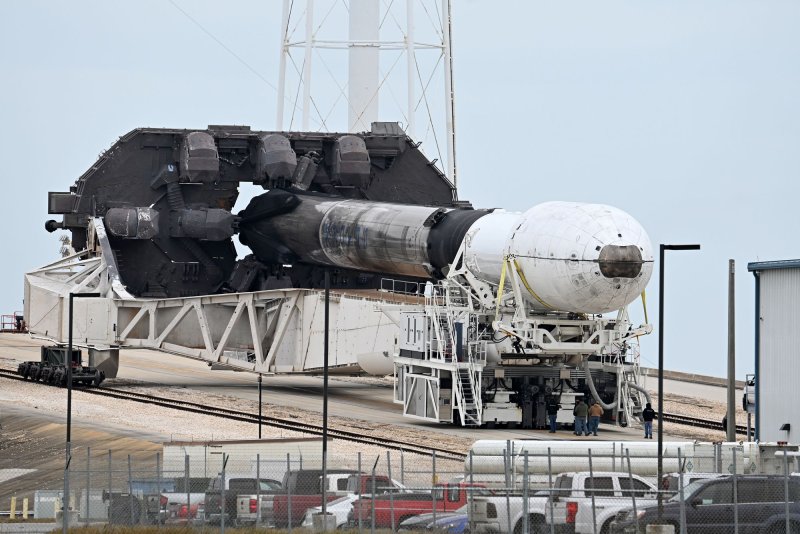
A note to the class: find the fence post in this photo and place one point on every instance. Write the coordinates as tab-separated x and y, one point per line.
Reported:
614	456
786	487
372	498
130	489
630	478
391	494
735	494
552	490
433	484
25	509
110	485
222	503
360	503
187	482
88	482
525	505
160	490
680	489
12	514
289	488
591	480
258	486
471	494
507	474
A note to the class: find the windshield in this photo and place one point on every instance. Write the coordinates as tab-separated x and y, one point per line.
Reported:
689	489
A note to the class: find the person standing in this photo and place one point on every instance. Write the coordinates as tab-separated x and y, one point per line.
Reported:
595	413
648	414
552	412
580	412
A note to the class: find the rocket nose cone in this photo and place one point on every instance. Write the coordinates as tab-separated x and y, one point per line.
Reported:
620	261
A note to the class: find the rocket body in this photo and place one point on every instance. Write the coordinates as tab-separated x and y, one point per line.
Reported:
571	257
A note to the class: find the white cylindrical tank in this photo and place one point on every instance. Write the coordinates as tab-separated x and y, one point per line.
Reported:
583	258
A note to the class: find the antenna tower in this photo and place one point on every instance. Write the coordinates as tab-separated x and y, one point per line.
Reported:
398	63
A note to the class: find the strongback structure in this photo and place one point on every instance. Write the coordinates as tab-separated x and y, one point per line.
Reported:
777	336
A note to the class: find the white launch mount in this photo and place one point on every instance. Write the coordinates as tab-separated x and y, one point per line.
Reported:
451	355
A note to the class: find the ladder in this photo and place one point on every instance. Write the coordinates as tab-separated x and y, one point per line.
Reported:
469	406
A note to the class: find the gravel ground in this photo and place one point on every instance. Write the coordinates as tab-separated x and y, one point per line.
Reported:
129	416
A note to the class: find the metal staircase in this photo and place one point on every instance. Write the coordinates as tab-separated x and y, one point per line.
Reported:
469	406
446	303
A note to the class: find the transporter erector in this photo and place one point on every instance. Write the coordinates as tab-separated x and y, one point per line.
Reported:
480	314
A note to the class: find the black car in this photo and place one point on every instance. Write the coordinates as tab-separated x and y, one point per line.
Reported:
709	507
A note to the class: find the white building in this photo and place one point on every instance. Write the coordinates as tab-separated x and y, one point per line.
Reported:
777	356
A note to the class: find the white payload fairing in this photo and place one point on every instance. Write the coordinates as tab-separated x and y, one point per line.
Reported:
572	257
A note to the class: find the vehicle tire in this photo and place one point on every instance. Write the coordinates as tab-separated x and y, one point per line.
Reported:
536	525
606	528
398	521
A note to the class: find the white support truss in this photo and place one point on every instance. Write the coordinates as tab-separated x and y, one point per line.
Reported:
276	331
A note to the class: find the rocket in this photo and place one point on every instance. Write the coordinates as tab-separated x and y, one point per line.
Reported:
573	257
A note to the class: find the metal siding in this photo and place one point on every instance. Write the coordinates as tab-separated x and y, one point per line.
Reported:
779	372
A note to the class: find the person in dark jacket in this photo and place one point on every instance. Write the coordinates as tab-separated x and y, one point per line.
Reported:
581	412
648	414
552	412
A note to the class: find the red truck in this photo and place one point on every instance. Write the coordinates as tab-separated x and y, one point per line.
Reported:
399	507
303	490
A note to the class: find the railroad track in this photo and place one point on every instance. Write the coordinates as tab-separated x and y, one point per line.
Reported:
700	423
246	417
291	424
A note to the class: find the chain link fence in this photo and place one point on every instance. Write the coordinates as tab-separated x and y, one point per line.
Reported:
514	492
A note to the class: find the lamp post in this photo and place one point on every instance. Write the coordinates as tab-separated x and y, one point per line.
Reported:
661	364
325	402
259	405
65	498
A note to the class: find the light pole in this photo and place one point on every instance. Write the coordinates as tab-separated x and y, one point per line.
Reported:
259	405
661	364
325	403
65	498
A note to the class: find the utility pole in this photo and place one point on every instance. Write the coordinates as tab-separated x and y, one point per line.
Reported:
731	430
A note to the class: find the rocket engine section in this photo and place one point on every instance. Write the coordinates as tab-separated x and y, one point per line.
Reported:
382	237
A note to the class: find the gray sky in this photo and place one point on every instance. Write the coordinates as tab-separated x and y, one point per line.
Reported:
684	114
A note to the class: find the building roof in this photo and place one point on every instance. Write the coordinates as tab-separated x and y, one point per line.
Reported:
772	265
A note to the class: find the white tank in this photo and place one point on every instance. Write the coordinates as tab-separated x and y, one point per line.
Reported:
582	258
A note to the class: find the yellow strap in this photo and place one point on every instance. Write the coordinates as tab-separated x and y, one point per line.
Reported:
644	305
528	287
500	289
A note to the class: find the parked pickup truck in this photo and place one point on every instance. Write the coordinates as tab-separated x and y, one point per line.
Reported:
613	492
492	514
179	505
302	490
391	510
235	486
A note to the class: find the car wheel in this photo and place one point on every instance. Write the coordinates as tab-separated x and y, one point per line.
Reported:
607	528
